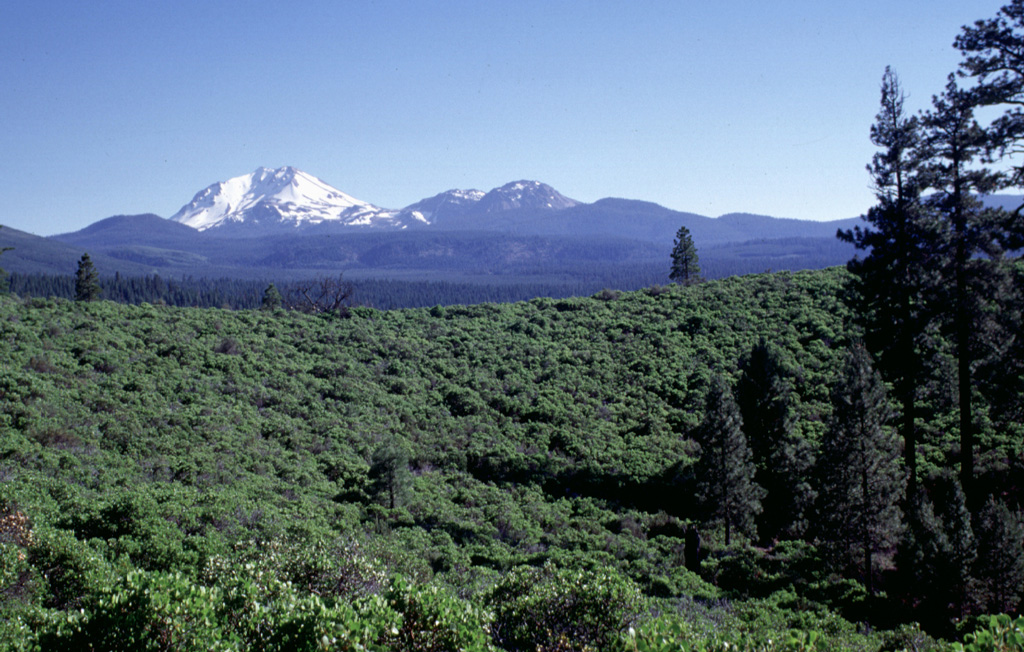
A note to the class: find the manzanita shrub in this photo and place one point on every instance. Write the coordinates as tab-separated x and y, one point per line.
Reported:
167	611
668	634
433	620
1003	634
250	609
551	608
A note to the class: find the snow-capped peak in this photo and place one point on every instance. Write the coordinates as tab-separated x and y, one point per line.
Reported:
524	194
449	203
284	197
289	198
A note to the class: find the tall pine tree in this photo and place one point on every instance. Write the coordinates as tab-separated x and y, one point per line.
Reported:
685	265
861	479
893	278
993	51
968	246
726	489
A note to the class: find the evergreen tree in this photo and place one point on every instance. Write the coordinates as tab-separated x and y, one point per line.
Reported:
862	482
87	282
999	374
894	276
937	553
272	299
685	266
782	458
390	478
967	247
726	489
959	557
922	560
1000	562
993	51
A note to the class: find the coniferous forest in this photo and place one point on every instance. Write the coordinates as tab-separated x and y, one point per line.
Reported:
821	460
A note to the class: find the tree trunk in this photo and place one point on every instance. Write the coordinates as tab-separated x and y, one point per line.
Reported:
866	531
963	353
908	398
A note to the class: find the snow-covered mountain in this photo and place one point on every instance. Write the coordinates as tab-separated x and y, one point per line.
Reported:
532	195
289	198
451	203
280	221
284	197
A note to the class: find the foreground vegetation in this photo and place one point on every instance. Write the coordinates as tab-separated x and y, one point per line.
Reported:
461	477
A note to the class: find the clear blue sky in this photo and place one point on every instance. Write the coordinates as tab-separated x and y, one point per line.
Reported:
121	107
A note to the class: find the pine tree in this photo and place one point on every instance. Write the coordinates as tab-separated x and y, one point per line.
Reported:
894	277
961	553
861	479
272	299
685	266
967	247
923	557
726	489
389	475
1000	563
937	554
87	284
999	371
993	51
782	458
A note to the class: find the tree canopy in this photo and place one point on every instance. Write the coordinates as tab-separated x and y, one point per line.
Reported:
685	265
87	286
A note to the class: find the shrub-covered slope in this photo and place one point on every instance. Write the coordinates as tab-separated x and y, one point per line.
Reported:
453	444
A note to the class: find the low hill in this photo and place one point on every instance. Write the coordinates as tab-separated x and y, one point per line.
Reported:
31	254
132	230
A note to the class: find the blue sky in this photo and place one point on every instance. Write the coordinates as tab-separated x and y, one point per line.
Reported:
131	107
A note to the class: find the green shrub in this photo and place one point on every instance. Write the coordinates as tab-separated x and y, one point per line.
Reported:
147	612
672	634
433	620
162	611
1003	634
550	608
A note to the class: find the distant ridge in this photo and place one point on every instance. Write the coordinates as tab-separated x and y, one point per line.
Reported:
285	223
450	203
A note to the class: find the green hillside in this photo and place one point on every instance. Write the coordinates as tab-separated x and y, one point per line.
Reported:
512	475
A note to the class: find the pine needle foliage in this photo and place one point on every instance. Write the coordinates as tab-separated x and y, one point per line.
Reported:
685	263
862	481
87	280
725	472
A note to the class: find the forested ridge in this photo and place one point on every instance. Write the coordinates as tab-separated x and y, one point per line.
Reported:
414	288
255	478
242	294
